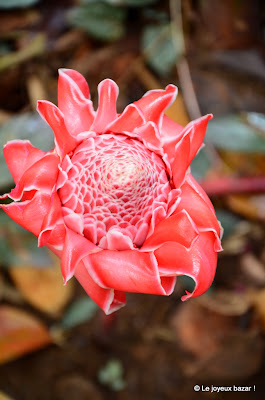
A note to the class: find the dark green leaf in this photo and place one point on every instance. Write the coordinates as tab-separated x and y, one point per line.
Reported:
17	3
30	127
228	221
100	20
201	164
82	310
234	132
158	48
20	247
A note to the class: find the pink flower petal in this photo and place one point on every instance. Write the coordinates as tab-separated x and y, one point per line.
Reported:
117	179
108	299
128	120
76	79
141	234
200	191
170	130
56	238
199	129
154	103
106	113
21	155
115	240
128	271
51	219
74	221
40	176
65	143
195	201
181	163
29	214
199	262
73	101
150	136
177	228
76	247
173	201
195	130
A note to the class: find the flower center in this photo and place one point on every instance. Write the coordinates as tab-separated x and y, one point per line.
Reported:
114	183
121	174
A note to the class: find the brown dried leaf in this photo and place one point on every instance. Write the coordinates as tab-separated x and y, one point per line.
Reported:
239	357
218	330
201	325
43	288
252	207
20	333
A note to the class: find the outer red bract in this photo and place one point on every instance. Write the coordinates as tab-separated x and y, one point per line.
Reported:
115	199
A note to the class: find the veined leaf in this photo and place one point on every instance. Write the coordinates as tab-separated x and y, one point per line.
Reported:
100	20
158	48
237	133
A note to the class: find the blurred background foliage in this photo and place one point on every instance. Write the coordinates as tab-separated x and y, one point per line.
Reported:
155	347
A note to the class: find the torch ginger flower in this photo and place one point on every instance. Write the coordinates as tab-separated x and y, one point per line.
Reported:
115	199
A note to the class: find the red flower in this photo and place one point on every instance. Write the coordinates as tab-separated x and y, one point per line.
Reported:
115	199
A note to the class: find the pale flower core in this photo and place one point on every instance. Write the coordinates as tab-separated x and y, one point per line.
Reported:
110	187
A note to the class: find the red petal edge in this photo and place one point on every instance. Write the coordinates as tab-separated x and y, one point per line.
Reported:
109	300
199	262
106	113
76	247
129	271
73	101
54	117
154	103
21	155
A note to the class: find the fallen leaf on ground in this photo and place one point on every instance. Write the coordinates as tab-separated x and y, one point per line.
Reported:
201	325
20	333
43	287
